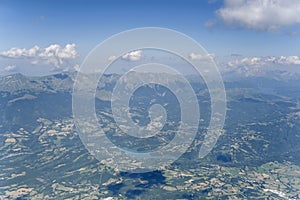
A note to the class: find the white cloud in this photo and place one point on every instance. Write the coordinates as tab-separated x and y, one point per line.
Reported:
34	62
20	53
264	61
9	68
194	56
278	67
246	61
111	58
53	54
264	15
289	60
133	56
33	51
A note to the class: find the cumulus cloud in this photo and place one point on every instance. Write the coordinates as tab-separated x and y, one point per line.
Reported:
53	54
21	52
289	60
133	55
111	58
277	67
246	61
9	68
264	61
263	15
194	56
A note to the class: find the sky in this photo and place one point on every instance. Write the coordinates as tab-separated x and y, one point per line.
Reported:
43	37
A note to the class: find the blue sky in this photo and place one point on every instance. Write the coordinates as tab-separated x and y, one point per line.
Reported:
222	27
